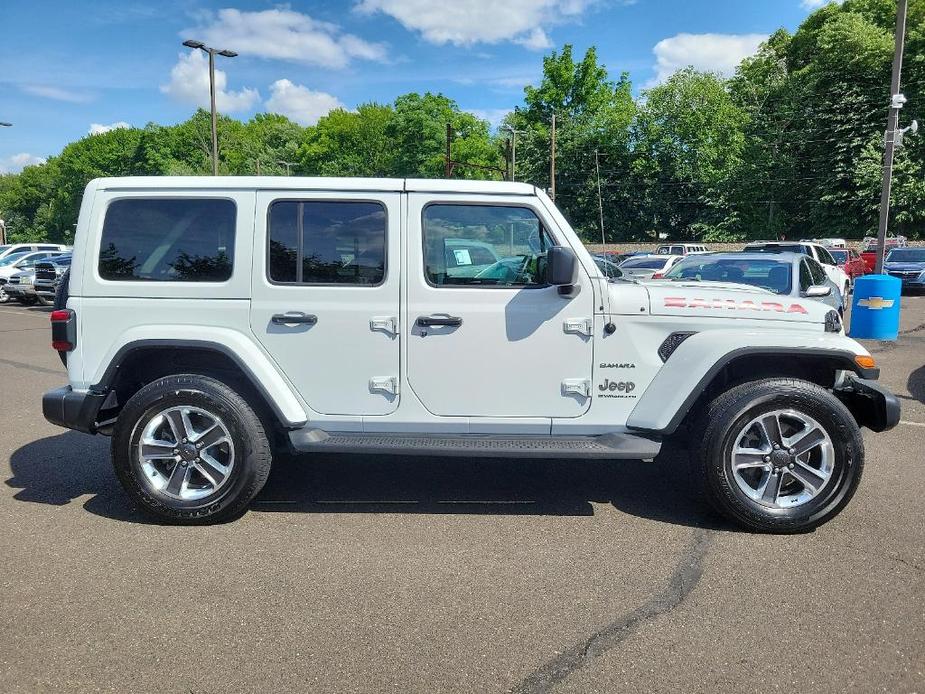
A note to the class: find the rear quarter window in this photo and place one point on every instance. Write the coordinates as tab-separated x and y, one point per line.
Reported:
168	240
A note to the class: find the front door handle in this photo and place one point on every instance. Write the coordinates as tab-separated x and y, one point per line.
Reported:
294	317
432	321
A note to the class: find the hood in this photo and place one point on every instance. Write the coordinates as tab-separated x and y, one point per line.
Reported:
727	300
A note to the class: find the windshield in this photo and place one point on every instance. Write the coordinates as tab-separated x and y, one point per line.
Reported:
840	256
767	273
644	263
776	248
12	258
906	255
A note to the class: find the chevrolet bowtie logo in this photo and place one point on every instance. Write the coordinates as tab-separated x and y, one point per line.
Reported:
876	303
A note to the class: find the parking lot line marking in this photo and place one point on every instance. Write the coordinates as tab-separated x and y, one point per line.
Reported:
912	424
20	313
40	369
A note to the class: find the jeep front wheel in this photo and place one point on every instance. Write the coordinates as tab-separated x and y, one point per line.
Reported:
780	455
190	450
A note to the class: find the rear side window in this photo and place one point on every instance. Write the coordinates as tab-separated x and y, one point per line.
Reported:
327	242
168	240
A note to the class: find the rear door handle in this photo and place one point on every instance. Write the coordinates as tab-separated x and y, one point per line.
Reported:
294	317
431	321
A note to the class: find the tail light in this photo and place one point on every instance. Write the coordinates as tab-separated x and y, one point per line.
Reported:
63	330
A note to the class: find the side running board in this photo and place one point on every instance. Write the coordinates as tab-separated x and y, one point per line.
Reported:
613	446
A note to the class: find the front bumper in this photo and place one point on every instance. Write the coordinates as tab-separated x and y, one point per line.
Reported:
71	410
872	405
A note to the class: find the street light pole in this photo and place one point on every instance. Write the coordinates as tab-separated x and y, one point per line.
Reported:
212	53
896	103
6	125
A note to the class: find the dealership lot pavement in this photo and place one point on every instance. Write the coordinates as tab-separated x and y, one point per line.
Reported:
364	574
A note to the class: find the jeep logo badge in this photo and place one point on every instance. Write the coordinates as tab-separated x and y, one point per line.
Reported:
622	386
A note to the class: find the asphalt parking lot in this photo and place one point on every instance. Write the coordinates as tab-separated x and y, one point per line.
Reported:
365	574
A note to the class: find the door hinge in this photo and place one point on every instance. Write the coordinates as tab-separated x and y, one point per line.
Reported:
384	384
387	324
579	326
577	386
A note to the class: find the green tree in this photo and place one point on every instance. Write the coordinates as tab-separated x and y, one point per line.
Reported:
349	143
688	140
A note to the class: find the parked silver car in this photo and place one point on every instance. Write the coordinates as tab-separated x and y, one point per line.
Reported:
21	286
786	274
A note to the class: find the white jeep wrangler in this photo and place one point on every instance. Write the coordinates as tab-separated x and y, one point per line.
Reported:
208	322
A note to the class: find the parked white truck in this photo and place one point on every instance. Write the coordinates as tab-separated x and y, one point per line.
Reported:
208	322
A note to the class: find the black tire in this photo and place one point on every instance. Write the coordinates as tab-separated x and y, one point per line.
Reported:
722	425
251	448
63	290
61	296
27	300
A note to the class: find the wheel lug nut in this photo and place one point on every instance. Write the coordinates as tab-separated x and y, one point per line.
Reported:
791	451
791	466
767	458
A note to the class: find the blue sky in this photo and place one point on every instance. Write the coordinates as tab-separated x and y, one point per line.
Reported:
68	68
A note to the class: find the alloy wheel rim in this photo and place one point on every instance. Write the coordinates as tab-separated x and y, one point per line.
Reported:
782	459
185	453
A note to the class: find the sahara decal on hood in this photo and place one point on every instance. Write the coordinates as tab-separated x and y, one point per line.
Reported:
733	304
715	302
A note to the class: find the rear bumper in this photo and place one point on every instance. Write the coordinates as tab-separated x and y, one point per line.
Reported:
872	405
72	410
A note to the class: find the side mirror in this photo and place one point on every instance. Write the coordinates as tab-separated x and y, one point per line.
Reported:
561	268
818	291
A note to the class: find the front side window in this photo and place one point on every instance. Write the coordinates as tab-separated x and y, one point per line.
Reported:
327	242
825	257
806	277
819	276
168	240
484	245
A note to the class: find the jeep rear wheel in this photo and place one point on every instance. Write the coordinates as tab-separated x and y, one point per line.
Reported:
190	450
780	455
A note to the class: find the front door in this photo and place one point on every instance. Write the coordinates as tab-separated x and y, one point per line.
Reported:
486	336
326	296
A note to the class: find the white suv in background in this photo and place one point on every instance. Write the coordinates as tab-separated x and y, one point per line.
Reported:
814	250
10	248
208	322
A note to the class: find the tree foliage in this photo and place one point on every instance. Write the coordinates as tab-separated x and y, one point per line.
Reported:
791	145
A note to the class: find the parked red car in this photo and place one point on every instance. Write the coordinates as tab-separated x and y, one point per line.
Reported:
850	261
869	251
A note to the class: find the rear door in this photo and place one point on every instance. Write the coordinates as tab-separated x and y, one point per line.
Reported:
487	337
326	296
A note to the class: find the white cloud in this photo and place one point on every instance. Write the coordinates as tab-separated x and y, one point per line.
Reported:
816	4
300	103
57	93
706	52
494	116
467	22
189	83
284	34
99	128
17	162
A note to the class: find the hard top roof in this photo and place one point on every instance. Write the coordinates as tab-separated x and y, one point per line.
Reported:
380	185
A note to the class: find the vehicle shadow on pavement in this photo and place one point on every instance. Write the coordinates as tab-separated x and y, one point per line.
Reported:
659	491
60	469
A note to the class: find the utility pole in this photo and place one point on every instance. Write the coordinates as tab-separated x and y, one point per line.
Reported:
212	52
552	161
448	162
896	103
600	202
288	165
